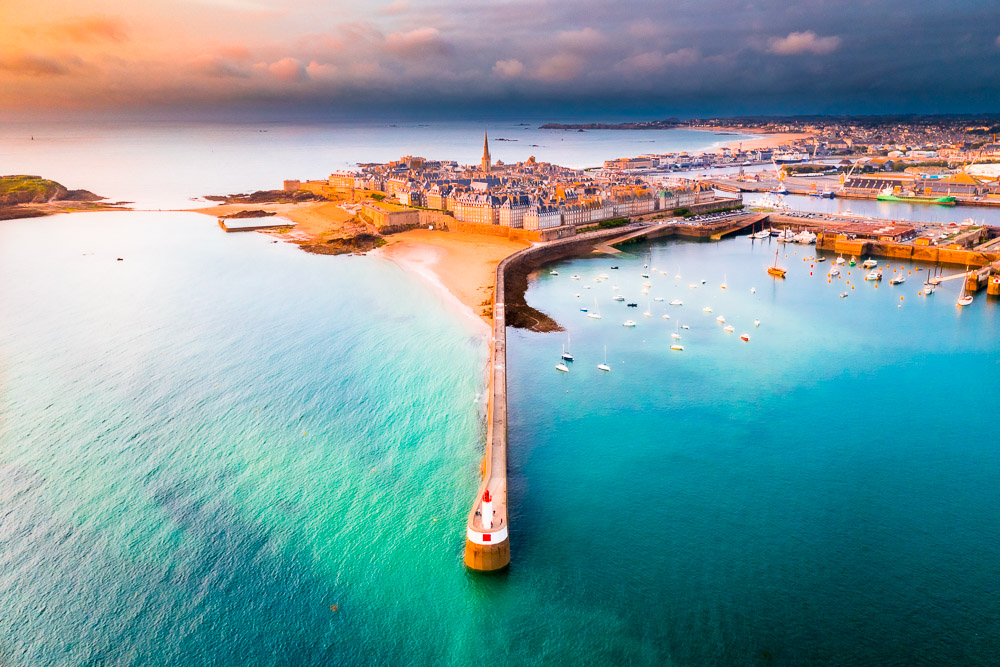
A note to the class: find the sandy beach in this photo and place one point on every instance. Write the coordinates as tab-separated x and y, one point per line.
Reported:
463	264
764	140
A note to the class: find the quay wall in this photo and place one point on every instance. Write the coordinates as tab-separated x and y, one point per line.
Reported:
860	247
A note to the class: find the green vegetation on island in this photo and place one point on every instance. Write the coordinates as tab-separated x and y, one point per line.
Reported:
15	190
23	196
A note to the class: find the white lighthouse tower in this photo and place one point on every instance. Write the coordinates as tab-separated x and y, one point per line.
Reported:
487	510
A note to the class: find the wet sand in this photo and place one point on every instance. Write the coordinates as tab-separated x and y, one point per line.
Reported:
463	264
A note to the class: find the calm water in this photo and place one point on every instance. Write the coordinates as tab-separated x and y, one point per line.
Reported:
824	494
163	165
205	446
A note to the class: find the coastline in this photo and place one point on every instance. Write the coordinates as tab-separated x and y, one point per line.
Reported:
760	140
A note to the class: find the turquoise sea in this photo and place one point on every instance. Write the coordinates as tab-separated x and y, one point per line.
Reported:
822	494
221	450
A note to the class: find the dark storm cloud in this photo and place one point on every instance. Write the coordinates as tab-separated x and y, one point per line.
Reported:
809	55
588	57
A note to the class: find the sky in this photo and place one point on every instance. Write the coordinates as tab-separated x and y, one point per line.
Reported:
598	59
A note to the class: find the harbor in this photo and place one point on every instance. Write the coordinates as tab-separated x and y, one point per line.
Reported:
488	525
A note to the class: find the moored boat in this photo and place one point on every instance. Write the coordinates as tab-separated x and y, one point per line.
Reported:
604	366
775	270
888	194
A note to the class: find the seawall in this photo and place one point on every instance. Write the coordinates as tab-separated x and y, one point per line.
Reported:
487	536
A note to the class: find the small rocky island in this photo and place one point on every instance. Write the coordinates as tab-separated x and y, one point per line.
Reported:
33	196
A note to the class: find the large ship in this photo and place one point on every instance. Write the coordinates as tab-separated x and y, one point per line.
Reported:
787	157
908	198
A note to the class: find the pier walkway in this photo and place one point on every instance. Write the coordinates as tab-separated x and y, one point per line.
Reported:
487	536
487	543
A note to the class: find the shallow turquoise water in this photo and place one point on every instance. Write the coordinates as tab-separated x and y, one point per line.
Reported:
205	446
824	494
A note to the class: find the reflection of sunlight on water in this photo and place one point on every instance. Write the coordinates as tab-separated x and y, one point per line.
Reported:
164	165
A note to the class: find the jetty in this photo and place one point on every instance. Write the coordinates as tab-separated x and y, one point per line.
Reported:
487	534
487	539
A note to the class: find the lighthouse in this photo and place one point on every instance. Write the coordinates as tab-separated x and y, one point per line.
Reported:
487	509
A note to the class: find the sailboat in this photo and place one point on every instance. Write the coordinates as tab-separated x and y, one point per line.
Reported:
604	366
723	285
566	355
596	312
649	310
677	336
965	299
937	277
775	270
929	286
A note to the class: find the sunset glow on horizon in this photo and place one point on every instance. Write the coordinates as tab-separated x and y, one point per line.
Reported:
206	54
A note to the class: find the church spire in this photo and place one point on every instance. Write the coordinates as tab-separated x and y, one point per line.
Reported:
486	164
